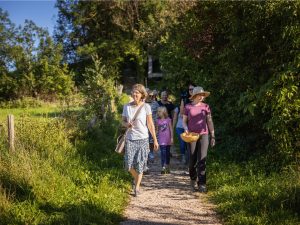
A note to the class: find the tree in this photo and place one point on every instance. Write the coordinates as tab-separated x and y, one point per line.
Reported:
99	90
31	63
117	31
246	54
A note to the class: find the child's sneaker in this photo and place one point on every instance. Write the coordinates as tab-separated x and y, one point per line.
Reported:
164	170
168	170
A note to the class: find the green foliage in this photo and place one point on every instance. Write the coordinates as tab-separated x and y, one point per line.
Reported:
249	61
245	195
120	32
27	102
53	180
280	97
30	63
99	90
245	53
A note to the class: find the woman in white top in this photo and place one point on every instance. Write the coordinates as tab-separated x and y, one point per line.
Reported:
137	138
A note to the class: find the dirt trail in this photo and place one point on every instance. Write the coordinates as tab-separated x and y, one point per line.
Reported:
168	199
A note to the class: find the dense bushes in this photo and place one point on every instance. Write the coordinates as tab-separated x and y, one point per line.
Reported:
246	54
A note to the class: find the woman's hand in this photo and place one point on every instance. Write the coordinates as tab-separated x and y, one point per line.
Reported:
129	125
155	145
126	124
212	141
172	141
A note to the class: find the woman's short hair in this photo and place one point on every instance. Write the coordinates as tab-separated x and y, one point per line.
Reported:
140	88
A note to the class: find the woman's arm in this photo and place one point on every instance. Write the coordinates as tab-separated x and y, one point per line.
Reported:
151	128
125	123
181	107
171	132
184	123
175	119
210	125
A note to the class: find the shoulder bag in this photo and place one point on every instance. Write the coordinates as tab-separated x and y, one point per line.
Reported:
120	147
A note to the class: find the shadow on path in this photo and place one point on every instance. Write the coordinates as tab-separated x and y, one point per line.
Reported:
168	199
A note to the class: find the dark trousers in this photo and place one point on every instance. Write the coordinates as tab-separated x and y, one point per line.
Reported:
165	154
197	163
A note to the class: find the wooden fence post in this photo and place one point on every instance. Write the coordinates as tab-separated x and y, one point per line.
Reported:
11	132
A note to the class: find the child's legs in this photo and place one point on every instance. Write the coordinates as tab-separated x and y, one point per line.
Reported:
168	155
163	154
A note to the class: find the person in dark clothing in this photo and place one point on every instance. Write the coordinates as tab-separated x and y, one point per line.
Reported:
185	97
168	104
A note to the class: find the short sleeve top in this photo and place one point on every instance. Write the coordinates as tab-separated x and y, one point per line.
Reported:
179	118
139	129
197	117
164	133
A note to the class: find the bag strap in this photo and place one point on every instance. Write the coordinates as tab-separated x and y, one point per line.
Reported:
137	112
135	116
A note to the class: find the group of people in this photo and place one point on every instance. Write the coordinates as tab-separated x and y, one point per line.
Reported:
152	129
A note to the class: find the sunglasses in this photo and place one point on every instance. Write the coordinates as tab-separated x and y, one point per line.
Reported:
190	89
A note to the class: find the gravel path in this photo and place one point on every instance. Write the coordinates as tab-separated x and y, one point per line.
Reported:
168	199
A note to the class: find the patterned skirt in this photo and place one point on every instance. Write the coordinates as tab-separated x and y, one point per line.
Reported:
136	154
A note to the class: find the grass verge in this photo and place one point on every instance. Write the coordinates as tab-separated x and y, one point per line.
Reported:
245	194
59	174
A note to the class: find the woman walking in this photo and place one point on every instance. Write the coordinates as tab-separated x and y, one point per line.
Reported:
197	118
137	139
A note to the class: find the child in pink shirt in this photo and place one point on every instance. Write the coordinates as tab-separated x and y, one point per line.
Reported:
165	137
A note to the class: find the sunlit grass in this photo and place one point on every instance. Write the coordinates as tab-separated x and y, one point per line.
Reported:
247	196
59	174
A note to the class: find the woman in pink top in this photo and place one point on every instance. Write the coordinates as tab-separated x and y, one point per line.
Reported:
197	118
165	137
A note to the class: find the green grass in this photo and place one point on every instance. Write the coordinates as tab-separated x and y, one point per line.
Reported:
245	194
50	111
60	174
